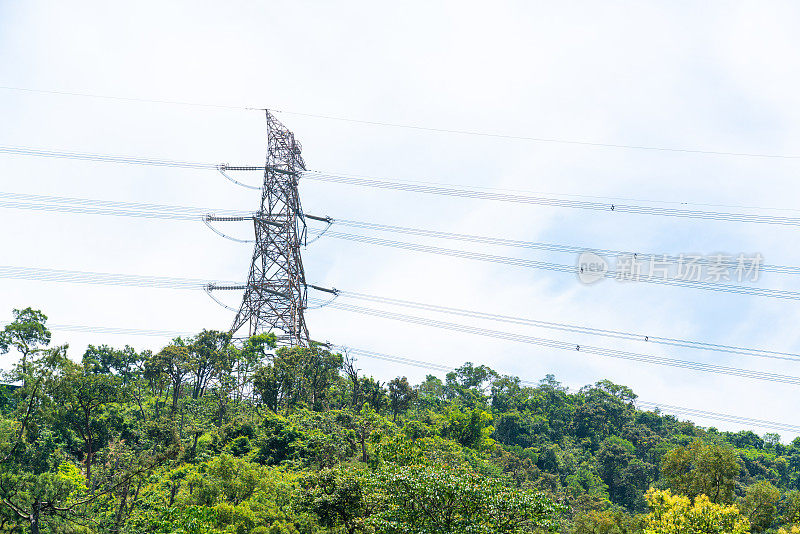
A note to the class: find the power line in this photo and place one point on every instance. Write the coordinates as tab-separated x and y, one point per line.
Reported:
106	158
86	206
112	208
563	345
566	327
569	269
120	331
728	418
87	277
427	188
550	247
26	197
460	192
162	211
112	330
549	140
417	127
54	275
98	207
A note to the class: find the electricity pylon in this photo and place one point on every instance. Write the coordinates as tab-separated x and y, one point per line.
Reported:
275	293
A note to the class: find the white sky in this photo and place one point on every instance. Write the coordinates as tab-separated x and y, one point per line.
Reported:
711	76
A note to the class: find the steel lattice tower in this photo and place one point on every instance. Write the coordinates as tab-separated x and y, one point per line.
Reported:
275	294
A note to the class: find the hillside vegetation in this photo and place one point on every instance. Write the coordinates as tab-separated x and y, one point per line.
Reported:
206	436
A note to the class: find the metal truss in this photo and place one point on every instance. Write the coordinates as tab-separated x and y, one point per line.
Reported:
275	293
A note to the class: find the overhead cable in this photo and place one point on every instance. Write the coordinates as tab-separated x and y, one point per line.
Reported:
106	158
574	347
568	269
415	127
434	189
170	212
87	277
574	328
429	188
533	245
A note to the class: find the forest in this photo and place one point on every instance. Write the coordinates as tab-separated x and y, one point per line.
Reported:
214	435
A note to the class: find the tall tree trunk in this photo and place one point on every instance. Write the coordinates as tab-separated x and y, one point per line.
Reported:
173	492
24	368
37	506
194	445
88	464
122	506
176	390
87	441
363	446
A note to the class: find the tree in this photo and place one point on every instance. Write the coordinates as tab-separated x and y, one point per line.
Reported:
209	357
35	481
701	468
297	376
365	423
249	358
513	428
80	397
51	494
471	428
172	362
351	374
760	505
40	485
373	393
281	441
606	522
431	391
401	395
790	507
125	363
677	514
468	384
605	409
337	497
295	440
26	334
210	360
507	394
626	476
442	499
595	522
222	495
745	439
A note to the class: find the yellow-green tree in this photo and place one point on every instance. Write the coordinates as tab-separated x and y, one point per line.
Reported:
702	469
677	514
612	521
760	504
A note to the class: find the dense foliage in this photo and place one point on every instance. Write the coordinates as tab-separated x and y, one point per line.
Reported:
207	436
